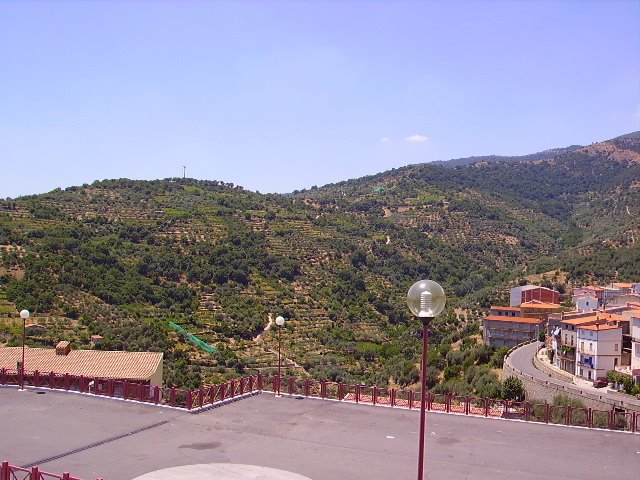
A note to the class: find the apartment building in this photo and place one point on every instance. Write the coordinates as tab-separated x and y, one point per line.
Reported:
538	309
634	316
506	327
592	291
599	348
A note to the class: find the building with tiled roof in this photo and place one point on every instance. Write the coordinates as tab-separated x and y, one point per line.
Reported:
565	341
599	349
507	327
537	309
528	293
132	366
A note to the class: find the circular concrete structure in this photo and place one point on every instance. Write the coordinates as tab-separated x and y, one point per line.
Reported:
220	471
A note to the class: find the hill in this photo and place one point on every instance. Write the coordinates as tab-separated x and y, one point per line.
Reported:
170	264
544	155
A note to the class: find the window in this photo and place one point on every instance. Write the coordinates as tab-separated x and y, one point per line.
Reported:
581	346
616	347
590	346
565	338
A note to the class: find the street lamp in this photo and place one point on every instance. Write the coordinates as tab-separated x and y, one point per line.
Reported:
426	300
280	323
24	314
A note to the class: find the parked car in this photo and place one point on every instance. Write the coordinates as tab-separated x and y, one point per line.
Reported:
600	382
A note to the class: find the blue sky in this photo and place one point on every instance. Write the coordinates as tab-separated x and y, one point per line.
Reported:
278	96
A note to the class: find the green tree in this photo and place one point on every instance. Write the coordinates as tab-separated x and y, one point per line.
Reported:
513	389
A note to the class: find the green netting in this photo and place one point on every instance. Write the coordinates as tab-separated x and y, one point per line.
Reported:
193	339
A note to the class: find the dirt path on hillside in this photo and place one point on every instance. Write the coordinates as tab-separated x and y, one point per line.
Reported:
266	329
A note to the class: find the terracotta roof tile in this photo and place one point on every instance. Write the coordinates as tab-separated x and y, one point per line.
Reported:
500	318
599	326
90	363
580	321
540	305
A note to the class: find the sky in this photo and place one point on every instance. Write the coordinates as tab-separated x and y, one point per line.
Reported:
277	96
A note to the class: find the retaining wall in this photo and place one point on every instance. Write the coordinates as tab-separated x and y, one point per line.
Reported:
547	389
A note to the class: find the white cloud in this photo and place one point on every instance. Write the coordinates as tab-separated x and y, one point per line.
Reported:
385	139
417	138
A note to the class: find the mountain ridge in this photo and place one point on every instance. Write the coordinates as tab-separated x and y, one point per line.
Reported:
123	258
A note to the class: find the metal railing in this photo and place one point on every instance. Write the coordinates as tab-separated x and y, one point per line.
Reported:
463	405
136	391
11	472
208	396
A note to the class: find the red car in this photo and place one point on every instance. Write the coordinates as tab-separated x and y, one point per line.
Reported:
600	382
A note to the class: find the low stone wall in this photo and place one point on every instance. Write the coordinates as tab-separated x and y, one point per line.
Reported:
547	389
552	373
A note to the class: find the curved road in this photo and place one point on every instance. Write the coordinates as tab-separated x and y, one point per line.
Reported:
522	359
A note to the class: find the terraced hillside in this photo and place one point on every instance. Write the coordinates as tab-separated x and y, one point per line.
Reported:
142	262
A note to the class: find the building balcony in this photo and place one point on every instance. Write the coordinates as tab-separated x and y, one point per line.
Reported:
585	364
567	353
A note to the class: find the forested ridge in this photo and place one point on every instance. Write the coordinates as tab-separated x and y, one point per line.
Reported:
125	259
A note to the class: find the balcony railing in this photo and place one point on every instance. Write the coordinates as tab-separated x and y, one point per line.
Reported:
566	352
583	363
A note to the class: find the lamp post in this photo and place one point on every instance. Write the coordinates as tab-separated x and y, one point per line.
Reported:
279	323
24	314
426	300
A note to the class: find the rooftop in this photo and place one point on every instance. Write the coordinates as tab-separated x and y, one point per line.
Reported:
535	304
533	287
580	321
319	439
594	288
600	327
500	318
506	309
91	363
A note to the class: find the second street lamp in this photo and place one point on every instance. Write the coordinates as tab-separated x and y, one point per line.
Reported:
279	323
426	300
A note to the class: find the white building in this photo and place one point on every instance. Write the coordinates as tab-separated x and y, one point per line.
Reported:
586	304
566	342
635	345
599	349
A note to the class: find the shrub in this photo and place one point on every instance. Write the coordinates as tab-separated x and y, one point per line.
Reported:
498	357
513	389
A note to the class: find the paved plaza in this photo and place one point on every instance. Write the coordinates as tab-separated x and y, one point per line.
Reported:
318	439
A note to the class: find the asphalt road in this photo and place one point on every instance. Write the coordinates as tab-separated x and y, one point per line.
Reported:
522	359
323	440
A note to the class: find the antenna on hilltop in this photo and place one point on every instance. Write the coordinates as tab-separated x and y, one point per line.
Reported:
184	171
